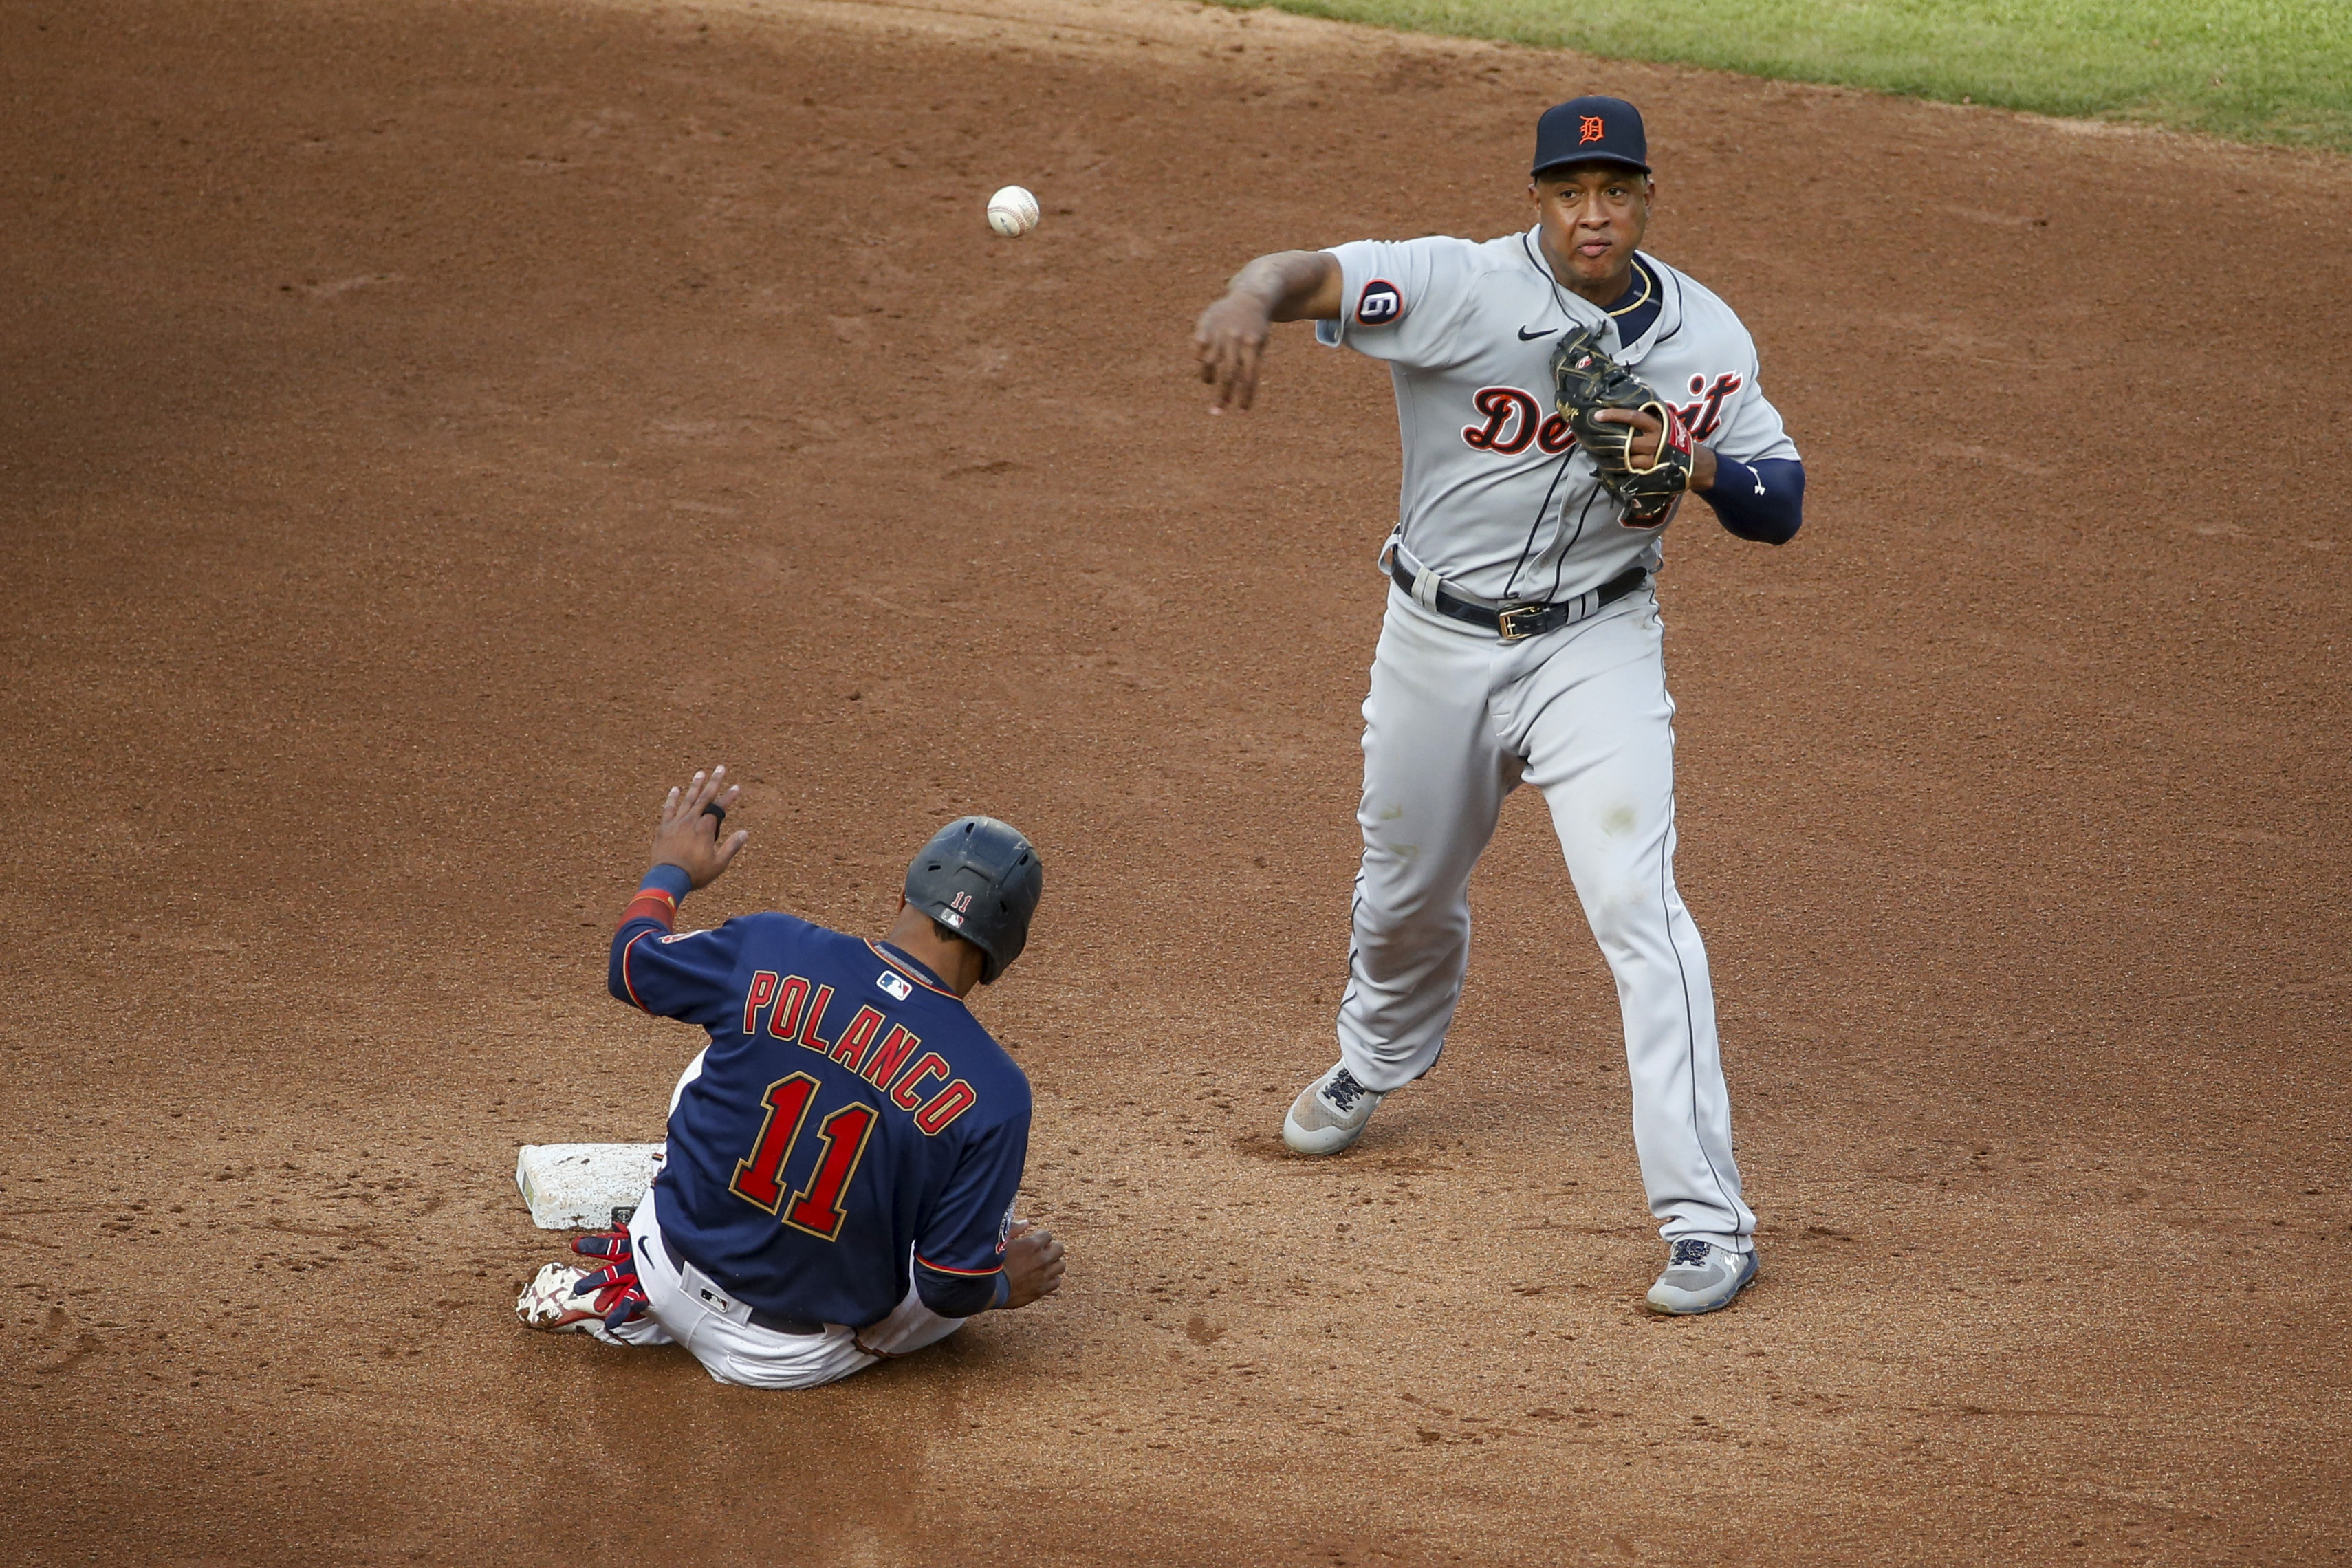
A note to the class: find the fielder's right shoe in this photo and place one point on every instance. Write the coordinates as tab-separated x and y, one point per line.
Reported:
1329	1113
1700	1277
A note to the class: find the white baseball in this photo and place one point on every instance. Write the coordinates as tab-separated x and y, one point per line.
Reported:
1012	212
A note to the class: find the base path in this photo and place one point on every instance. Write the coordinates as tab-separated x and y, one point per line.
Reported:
426	429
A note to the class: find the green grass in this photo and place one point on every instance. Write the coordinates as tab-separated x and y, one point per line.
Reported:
2256	70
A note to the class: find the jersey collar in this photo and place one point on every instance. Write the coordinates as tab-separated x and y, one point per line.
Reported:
1669	318
911	968
1579	308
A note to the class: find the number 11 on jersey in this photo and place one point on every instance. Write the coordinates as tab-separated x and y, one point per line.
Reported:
759	1177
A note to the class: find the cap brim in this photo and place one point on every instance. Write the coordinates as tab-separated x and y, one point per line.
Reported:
1620	160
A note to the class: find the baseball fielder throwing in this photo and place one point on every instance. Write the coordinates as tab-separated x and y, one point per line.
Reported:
1558	391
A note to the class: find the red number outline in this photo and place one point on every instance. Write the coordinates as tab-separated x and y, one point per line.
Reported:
818	1209
765	1163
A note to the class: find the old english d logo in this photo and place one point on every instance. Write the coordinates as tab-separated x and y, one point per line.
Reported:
1591	130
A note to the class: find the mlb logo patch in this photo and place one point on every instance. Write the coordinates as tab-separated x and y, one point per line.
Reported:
895	985
1380	303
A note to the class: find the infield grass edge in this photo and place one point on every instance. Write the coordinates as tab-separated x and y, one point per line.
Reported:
2267	71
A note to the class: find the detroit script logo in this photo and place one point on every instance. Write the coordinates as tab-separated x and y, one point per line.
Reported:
1512	420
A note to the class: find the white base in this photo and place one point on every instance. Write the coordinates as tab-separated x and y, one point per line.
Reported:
584	1186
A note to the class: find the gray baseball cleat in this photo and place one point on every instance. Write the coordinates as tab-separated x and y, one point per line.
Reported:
1700	1277
1329	1113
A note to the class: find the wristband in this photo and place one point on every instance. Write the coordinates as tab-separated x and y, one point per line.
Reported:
669	877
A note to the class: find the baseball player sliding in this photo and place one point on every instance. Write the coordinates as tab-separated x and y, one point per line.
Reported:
1557	390
844	1155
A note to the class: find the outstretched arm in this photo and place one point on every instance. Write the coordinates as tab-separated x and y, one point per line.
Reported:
1288	286
688	853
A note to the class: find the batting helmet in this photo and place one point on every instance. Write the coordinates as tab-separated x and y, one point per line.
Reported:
979	878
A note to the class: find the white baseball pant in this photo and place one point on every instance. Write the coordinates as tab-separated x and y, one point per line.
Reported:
1454	721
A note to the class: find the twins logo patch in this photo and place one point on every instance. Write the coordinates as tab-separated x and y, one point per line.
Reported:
1380	303
897	984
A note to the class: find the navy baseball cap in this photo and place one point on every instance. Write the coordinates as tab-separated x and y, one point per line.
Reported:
1591	130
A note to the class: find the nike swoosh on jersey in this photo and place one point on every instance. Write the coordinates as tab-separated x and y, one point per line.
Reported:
1527	337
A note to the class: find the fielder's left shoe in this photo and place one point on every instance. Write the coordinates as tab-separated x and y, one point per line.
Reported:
1700	1277
1329	1113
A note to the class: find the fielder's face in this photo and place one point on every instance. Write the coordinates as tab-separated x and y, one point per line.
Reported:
1593	217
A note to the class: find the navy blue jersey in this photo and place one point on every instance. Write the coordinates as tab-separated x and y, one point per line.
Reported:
852	1118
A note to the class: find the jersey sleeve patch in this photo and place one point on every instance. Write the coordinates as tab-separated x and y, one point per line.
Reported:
1379	303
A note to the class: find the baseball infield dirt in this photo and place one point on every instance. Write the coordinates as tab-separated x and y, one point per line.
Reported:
428	430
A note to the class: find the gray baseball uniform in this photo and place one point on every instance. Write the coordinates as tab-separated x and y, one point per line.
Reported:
1499	505
1497	497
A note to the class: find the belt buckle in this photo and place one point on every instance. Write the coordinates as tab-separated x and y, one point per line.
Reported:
1505	620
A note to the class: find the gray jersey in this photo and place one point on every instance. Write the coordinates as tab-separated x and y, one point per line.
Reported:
1496	495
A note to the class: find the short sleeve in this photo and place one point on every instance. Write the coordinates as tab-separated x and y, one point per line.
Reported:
967	1230
1401	300
686	974
1749	430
